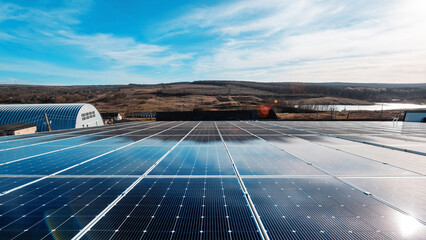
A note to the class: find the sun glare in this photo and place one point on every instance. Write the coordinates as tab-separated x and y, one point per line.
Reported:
408	225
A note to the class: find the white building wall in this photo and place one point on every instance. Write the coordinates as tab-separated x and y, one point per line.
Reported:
118	118
88	116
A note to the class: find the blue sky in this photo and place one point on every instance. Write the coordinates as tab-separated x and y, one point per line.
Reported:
133	41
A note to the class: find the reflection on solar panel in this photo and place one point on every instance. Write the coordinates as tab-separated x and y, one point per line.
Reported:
216	180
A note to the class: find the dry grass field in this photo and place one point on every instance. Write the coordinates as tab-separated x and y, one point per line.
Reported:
343	115
220	95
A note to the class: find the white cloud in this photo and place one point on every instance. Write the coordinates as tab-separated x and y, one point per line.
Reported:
124	52
56	73
289	40
53	28
269	40
5	36
37	17
379	69
264	18
13	81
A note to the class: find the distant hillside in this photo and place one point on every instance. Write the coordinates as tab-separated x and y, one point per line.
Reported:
338	84
213	95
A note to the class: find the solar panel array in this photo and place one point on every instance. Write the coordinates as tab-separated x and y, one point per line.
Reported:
216	180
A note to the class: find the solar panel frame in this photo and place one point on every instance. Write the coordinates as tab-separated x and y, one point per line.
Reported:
288	158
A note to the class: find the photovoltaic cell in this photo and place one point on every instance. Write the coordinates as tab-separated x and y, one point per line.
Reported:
406	193
341	163
264	159
374	132
56	204
134	160
314	208
197	160
337	162
7	183
180	209
180	182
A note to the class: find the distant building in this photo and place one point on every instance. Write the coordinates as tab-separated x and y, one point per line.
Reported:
141	114
60	116
17	129
111	117
198	115
415	116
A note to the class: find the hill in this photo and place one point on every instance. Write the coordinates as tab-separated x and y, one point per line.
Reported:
212	95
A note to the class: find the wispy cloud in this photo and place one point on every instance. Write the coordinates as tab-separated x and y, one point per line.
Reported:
55	28
274	40
270	40
36	17
124	52
50	73
262	18
10	80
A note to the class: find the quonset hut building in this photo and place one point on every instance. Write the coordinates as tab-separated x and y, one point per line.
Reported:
415	115
60	116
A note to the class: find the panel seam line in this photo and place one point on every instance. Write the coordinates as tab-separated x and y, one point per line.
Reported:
343	181
81	163
263	232
98	217
353	140
74	146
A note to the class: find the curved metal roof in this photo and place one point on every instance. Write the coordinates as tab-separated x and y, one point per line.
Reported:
61	116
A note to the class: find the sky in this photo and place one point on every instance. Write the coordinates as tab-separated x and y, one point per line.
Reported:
75	42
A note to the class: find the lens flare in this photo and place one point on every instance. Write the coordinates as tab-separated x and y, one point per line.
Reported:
263	110
408	225
54	219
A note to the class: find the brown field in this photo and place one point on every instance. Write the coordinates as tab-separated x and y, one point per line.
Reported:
343	115
218	95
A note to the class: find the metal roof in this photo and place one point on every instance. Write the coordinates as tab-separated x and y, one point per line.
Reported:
62	116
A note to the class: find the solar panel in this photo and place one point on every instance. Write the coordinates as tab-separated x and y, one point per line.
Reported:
321	208
183	208
216	180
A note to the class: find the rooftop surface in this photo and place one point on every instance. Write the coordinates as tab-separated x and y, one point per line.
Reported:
216	180
16	126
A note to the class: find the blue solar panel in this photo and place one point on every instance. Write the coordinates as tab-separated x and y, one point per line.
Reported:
214	180
7	182
314	206
182	208
196	160
55	203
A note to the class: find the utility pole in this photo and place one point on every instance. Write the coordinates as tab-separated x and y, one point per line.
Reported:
47	122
